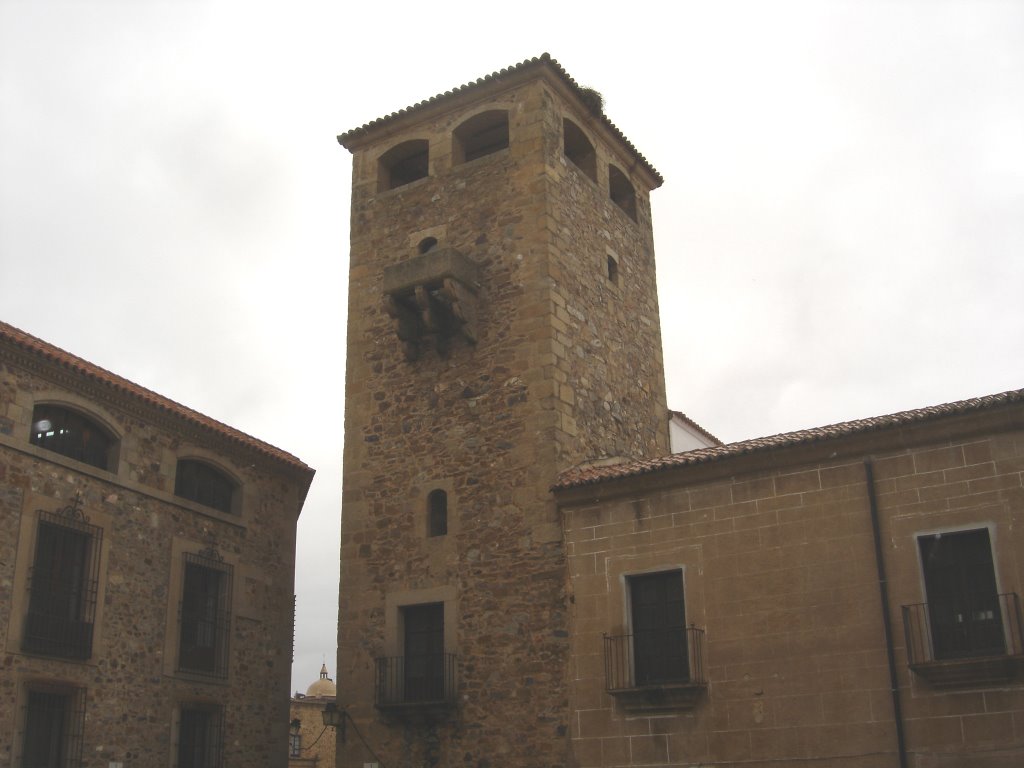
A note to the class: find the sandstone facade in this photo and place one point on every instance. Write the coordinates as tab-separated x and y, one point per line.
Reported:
529	578
134	619
775	547
503	325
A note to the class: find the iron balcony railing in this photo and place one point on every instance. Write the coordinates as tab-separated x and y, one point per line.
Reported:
963	627
654	658
427	679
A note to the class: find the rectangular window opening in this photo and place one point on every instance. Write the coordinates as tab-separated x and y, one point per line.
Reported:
613	270
63	586
962	598
658	615
200	737
423	635
205	617
54	723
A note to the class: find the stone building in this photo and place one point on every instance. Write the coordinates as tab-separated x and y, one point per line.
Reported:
840	596
146	574
310	742
502	326
530	578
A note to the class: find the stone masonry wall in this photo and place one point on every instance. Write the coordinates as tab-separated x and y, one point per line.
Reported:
491	423
473	422
779	571
607	335
131	690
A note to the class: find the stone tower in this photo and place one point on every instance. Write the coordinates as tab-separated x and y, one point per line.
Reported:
503	326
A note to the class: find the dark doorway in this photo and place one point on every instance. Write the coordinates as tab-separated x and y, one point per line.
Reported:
659	628
963	604
424	652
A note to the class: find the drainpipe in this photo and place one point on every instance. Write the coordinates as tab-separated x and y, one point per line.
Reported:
883	591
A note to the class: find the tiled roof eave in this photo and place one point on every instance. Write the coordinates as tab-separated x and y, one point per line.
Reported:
577	477
356	137
42	351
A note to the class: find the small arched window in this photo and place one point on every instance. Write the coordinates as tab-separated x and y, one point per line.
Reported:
72	434
403	164
621	191
437	513
577	147
204	484
480	135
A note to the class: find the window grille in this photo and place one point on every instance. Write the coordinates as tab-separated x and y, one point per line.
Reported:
71	434
204	485
205	616
63	584
200	737
54	721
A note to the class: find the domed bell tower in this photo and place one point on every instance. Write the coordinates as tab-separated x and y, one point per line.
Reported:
503	326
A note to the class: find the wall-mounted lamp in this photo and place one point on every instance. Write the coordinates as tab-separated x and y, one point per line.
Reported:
335	718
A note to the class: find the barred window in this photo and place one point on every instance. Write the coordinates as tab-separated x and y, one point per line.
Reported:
63	585
71	434
54	720
205	616
200	736
204	484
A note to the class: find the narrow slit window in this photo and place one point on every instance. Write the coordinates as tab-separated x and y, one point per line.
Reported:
437	513
613	270
621	191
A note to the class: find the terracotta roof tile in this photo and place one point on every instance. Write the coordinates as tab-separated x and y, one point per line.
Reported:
579	476
35	346
544	60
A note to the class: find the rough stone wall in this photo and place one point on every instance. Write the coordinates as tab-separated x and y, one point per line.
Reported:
779	571
131	690
607	335
492	423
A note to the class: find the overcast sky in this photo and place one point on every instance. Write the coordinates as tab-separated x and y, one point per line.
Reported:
840	232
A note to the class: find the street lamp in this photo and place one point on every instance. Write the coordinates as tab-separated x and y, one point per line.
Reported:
335	718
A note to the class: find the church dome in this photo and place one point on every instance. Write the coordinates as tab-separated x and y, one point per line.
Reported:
322	688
